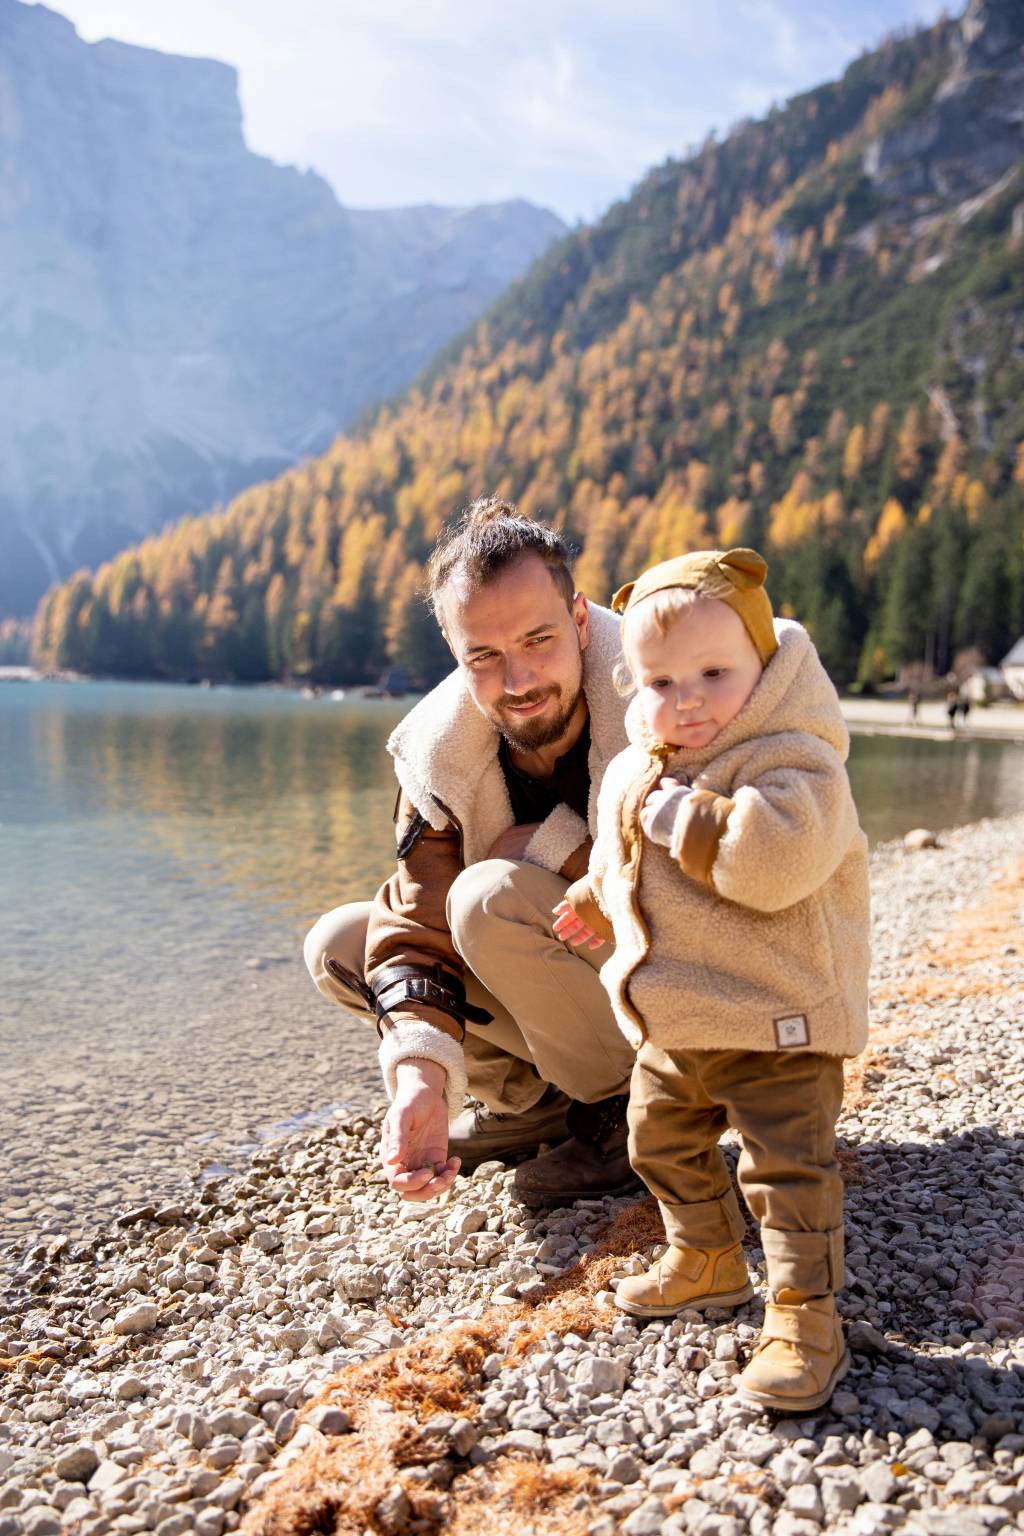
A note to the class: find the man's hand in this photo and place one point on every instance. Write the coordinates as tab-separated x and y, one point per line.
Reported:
512	843
656	798
572	929
414	1138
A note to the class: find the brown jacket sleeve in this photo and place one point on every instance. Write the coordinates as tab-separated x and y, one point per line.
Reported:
408	924
704	827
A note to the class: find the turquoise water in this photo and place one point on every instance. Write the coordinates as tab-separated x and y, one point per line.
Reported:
146	833
162	852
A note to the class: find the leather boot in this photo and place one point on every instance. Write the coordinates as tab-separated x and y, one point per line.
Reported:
687	1277
479	1134
593	1162
800	1356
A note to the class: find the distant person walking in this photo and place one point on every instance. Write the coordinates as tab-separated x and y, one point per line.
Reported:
913	700
952	705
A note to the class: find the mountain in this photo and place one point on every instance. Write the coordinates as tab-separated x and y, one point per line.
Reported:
808	337
178	316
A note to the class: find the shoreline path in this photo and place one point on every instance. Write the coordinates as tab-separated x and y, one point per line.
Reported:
288	1349
891	717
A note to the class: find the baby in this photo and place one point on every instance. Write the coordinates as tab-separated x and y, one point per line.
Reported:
731	871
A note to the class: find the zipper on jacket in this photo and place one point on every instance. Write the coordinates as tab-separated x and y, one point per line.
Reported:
654	773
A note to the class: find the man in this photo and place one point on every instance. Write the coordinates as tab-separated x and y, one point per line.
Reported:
499	768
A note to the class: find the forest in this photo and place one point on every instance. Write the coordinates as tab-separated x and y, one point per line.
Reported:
761	345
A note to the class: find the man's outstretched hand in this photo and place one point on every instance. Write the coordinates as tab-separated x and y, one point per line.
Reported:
414	1138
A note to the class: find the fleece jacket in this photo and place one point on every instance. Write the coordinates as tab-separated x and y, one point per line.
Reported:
446	758
750	931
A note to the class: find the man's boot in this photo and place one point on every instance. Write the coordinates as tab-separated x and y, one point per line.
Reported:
593	1162
800	1356
479	1134
687	1277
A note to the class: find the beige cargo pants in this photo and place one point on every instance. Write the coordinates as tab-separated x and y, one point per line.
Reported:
785	1106
552	1022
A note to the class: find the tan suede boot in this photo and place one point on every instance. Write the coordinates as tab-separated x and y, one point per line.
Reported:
800	1356
687	1277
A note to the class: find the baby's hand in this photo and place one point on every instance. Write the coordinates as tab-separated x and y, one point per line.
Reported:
657	799
572	929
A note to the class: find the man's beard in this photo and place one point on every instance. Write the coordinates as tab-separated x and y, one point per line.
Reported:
541	730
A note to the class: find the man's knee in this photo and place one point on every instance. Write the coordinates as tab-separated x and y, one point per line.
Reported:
479	896
339	935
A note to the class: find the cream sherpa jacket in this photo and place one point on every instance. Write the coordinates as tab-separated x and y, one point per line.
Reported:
446	758
750	932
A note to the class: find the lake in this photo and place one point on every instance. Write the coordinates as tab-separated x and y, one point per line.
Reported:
162	851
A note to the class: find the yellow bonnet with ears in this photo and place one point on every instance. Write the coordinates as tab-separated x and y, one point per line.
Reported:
735	577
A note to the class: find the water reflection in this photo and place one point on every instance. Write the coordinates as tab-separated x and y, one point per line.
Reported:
287	801
162	850
174	798
900	783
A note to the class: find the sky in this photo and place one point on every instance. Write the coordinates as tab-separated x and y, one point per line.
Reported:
564	102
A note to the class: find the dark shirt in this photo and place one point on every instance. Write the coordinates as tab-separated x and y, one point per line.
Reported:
534	799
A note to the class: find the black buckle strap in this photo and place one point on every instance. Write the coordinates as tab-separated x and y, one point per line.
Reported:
436	987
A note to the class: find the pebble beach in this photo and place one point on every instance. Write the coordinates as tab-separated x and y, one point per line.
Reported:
287	1348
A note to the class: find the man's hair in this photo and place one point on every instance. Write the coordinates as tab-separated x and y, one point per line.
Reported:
488	537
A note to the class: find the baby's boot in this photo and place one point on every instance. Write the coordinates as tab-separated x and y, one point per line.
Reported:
800	1356
687	1277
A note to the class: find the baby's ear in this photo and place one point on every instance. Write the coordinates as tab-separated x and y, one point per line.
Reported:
622	597
744	568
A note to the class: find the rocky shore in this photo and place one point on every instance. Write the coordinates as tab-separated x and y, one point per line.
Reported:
288	1349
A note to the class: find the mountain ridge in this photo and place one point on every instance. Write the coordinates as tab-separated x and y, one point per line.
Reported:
809	336
183	317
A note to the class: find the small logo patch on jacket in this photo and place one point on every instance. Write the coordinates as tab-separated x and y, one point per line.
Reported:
792	1031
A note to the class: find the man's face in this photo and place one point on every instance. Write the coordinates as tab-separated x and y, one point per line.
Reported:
520	650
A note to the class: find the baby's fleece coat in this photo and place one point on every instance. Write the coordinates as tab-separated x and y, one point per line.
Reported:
750	933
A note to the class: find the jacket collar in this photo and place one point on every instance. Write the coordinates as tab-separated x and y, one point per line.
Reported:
444	746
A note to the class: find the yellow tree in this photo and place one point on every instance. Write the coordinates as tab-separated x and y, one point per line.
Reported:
853	453
949	468
220	619
878	428
679	526
595	570
794	515
891	523
729	521
907	458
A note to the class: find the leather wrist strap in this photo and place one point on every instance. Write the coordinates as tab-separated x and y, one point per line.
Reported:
434	986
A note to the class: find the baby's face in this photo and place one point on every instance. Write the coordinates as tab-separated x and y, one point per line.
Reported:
696	677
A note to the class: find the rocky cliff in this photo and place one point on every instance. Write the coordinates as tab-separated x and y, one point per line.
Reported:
972	134
180	317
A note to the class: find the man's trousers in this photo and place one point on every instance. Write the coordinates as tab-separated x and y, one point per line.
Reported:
552	1022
